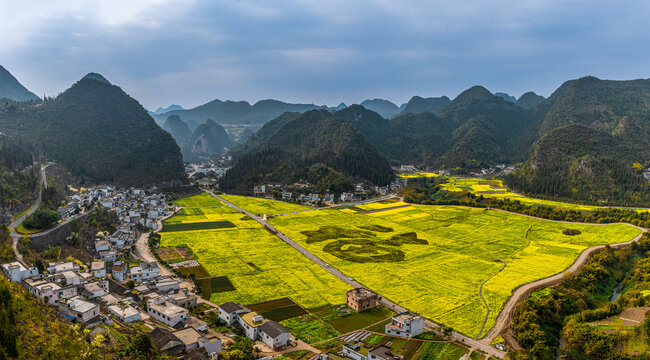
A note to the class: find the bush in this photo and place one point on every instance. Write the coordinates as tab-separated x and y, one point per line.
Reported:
41	219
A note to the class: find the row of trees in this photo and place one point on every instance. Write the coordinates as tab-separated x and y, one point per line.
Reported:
429	192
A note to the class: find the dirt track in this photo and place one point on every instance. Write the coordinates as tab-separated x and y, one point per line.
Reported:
505	317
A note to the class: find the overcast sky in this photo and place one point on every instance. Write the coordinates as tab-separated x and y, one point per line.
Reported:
324	51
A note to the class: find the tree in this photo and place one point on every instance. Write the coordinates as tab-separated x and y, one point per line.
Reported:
142	344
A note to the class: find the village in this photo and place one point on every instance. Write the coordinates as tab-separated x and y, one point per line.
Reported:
127	287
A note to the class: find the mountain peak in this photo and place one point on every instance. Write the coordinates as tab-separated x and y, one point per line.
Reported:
12	89
474	93
97	77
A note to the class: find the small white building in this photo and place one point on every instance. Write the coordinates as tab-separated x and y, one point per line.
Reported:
405	324
229	312
61	266
274	335
78	310
347	197
119	271
102	245
17	272
128	315
166	312
192	339
146	271
165	285
107	203
95	289
98	269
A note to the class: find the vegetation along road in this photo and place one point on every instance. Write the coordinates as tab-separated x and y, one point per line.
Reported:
14	235
472	343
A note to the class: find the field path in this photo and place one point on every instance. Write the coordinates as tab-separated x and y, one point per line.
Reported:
504	320
428	324
480	290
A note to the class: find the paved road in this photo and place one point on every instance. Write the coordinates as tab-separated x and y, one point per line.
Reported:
14	235
429	325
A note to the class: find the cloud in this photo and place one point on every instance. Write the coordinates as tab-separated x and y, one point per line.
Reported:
172	51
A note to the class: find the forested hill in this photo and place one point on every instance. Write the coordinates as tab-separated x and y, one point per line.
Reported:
206	140
12	89
316	147
98	132
477	129
593	143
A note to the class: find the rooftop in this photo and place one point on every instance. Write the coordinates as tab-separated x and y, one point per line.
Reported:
273	329
360	293
383	352
248	319
231	307
14	264
404	317
97	265
128	311
168	309
81	305
188	335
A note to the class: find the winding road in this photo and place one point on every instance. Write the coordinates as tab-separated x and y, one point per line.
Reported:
16	236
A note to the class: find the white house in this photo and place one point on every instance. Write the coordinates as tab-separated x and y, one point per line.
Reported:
347	197
274	335
405	324
251	322
128	315
192	339
95	289
61	266
354	351
108	256
166	312
229	312
164	285
107	203
98	269
146	271
78	310
48	291
102	245
17	272
119	271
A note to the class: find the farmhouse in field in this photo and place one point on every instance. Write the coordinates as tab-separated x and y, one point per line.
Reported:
361	299
359	351
405	324
229	312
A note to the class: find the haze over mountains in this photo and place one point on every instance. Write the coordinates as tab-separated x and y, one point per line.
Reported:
579	143
11	88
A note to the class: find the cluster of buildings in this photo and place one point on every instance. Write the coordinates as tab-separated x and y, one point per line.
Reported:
300	192
209	168
404	325
94	296
255	326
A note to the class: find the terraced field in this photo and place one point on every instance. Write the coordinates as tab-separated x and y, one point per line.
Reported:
260	266
263	206
433	259
417	174
496	189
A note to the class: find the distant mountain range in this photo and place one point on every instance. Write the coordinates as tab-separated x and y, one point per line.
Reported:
11	89
98	132
171	107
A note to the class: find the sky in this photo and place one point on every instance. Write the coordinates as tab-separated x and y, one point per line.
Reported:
323	52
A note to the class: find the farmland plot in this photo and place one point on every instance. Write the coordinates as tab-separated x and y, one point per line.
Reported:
260	266
262	206
432	259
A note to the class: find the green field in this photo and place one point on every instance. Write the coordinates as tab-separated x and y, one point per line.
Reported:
259	206
432	259
260	266
206	225
440	351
